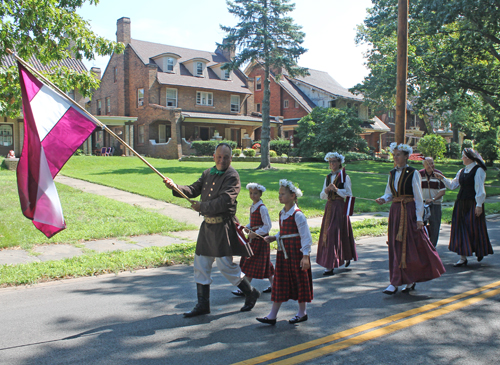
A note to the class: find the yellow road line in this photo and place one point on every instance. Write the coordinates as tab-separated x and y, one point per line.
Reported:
362	328
385	330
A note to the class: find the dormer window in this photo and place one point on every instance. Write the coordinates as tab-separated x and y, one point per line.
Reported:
199	68
170	64
227	74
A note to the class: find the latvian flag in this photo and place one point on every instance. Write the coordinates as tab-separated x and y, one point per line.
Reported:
53	129
242	238
349	205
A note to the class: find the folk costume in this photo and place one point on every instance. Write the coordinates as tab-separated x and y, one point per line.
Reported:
259	266
290	281
217	239
431	186
336	241
412	257
468	232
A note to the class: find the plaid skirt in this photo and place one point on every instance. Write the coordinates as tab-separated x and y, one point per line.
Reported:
468	232
290	281
259	266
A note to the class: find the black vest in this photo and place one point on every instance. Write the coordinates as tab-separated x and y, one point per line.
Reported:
405	182
336	182
467	190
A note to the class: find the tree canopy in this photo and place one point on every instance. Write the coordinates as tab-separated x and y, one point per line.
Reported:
265	36
49	30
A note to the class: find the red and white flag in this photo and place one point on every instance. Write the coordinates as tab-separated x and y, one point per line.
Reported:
349	205
342	175
53	129
243	239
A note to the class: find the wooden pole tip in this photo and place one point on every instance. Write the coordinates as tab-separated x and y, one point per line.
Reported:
9	51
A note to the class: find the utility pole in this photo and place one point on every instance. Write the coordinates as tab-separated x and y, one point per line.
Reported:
402	70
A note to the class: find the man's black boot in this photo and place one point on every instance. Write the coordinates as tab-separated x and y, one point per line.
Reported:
251	294
203	306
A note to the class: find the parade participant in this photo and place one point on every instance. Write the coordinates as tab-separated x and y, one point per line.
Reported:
336	241
219	187
259	266
292	275
468	224
412	258
432	192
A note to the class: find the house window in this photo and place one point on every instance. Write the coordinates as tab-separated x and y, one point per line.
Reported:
227	74
140	134
285	103
257	106
99	106
199	68
163	133
140	97
235	103
172	97
258	83
296	104
108	105
332	104
115	74
349	105
170	64
203	98
6	139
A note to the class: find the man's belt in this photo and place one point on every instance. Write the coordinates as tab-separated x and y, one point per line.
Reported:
214	220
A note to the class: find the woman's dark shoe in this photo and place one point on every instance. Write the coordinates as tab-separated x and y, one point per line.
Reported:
347	263
328	273
408	288
269	289
298	319
238	293
461	262
266	320
480	258
391	289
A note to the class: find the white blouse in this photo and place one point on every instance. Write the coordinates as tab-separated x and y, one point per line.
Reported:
342	192
416	184
301	221
479	179
266	220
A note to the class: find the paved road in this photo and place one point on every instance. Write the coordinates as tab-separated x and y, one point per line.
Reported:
136	318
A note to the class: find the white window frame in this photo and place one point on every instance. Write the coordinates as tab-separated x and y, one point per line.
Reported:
204	98
140	100
226	74
285	103
199	69
258	83
171	99
235	104
99	107
170	63
108	105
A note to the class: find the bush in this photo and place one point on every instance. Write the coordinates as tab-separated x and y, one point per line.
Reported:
356	156
281	146
237	152
452	150
467	143
488	149
432	145
284	155
207	148
272	153
249	152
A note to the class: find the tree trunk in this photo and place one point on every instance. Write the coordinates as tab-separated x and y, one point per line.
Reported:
266	124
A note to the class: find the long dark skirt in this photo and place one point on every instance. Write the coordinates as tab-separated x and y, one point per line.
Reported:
422	260
336	241
258	266
468	232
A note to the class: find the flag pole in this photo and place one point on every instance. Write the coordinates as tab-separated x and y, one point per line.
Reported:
94	119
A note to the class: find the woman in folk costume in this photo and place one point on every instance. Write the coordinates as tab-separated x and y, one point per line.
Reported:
412	257
259	266
292	276
468	225
336	241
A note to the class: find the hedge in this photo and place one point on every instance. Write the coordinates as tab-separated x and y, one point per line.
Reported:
207	148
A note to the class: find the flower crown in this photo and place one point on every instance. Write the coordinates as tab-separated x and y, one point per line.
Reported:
256	186
337	155
288	184
401	147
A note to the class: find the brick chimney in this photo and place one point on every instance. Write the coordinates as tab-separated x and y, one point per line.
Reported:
96	71
123	30
227	53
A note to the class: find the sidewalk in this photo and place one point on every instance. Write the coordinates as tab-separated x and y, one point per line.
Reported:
57	252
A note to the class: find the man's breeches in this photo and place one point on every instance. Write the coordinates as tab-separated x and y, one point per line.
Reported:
203	269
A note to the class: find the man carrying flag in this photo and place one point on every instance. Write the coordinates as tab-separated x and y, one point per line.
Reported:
217	240
54	127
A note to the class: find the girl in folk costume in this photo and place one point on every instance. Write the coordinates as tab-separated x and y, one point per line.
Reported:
336	241
292	277
468	223
412	257
259	266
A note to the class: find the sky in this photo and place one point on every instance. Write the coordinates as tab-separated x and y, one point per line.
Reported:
329	25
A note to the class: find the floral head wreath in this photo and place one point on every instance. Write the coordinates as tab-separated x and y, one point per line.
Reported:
401	147
336	155
256	186
288	184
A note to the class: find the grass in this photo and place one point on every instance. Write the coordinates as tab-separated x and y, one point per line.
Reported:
87	216
93	263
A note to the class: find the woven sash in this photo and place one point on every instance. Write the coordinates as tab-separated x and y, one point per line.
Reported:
403	229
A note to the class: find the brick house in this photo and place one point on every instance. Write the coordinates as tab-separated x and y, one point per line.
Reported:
295	97
177	95
12	129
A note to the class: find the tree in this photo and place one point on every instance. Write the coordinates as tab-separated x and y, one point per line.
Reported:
49	30
432	145
330	129
453	54
266	36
